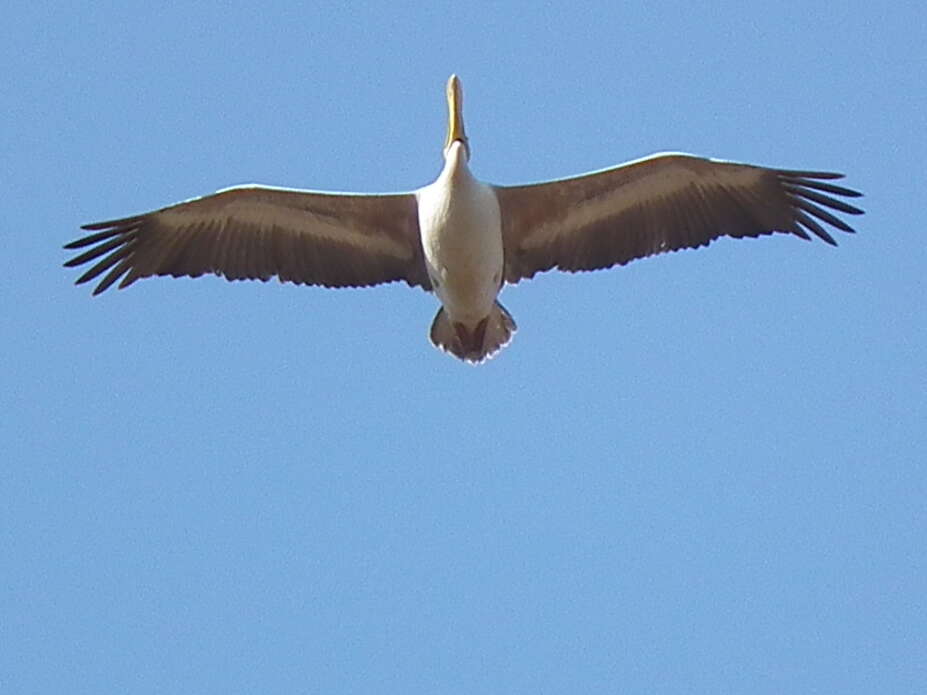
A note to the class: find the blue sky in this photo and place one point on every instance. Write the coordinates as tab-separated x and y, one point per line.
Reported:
702	472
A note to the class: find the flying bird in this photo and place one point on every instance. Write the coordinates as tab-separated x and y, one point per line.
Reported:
461	238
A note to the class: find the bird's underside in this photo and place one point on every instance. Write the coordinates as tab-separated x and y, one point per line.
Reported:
650	206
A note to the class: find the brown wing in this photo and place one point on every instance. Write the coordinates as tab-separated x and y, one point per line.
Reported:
248	233
659	204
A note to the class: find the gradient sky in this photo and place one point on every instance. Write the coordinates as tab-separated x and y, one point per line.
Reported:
700	473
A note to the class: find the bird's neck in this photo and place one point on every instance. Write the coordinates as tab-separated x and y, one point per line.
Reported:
455	162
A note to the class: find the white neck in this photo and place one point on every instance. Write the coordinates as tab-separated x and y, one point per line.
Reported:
455	160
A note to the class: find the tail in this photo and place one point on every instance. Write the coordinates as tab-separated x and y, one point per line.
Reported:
477	342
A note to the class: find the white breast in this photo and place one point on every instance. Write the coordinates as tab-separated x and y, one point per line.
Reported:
462	238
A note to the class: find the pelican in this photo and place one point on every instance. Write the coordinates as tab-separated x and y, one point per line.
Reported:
461	238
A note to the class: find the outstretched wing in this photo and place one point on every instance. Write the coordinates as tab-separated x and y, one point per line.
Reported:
659	204
255	233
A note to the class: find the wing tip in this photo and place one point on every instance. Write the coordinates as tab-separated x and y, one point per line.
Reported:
825	175
107	224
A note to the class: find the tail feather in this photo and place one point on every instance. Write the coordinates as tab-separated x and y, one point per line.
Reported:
477	342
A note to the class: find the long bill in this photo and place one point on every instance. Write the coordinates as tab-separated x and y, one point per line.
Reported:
455	124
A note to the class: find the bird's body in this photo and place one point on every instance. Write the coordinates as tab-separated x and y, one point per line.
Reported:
461	231
462	238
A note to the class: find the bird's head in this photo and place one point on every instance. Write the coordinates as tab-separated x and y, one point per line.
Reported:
455	124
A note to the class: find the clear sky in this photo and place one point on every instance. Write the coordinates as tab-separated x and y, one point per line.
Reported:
700	473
